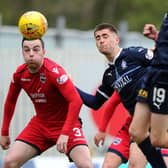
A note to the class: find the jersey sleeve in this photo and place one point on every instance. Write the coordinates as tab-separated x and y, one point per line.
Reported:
109	110
65	86
92	101
104	89
142	55
10	104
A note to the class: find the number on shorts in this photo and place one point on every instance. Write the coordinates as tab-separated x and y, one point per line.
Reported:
77	132
159	95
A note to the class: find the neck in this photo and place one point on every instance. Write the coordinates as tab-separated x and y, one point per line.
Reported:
113	54
33	70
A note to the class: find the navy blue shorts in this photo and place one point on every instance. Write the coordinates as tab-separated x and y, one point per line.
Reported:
154	90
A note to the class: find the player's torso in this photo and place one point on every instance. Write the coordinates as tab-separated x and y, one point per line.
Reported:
125	76
47	99
38	87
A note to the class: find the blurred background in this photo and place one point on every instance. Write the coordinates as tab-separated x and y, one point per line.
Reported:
70	42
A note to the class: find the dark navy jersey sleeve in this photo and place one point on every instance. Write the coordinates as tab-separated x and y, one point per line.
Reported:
92	101
140	55
106	88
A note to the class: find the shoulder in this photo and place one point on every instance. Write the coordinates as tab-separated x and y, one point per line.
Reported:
18	73
134	50
21	68
55	72
52	66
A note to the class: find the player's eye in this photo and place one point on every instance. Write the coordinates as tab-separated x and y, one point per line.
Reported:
36	49
26	49
105	36
97	38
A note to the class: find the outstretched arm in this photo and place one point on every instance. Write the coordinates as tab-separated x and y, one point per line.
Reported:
92	101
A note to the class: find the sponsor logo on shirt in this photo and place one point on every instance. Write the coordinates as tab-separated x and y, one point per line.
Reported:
62	79
122	82
143	93
25	79
38	97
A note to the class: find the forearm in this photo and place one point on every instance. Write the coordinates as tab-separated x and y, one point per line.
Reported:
72	116
8	113
109	110
9	108
92	101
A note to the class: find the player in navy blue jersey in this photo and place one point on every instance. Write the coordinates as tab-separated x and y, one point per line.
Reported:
153	95
127	66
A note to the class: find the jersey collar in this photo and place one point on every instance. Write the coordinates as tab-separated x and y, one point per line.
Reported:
114	60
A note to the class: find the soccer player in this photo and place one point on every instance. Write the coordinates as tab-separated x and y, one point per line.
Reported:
153	93
127	66
57	105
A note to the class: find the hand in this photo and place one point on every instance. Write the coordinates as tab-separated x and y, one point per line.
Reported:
99	138
62	143
150	31
5	142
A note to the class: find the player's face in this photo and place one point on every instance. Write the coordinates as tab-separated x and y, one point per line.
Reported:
33	54
106	41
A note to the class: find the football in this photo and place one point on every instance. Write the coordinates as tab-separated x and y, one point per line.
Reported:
32	25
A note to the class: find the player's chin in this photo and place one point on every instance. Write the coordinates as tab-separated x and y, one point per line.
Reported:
32	65
104	52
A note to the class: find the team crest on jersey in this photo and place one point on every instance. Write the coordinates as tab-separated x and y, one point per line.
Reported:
116	141
42	78
124	64
149	55
62	79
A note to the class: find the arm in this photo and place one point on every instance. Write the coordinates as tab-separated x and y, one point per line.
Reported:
9	108
92	101
66	88
71	95
108	112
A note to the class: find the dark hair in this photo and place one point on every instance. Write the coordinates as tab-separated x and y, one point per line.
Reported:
42	42
102	26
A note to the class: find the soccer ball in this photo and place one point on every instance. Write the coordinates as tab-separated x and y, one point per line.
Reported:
32	25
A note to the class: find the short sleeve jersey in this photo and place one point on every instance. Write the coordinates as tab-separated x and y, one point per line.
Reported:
125	73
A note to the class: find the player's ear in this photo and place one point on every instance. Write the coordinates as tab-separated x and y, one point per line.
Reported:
117	39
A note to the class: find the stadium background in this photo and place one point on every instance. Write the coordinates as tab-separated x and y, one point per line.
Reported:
75	50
